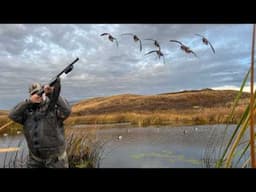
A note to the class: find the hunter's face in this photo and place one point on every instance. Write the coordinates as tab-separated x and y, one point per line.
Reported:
36	98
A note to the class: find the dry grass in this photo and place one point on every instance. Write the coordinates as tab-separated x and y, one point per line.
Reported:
181	108
3	112
155	103
83	149
188	107
9	149
171	117
10	129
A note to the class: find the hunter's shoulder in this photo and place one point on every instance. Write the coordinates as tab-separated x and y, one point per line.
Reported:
25	102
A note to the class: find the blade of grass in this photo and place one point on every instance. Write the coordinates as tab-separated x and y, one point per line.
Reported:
245	114
236	142
6	125
252	151
244	150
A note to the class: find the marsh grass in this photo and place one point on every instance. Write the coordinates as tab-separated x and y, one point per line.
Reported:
8	126
82	149
171	117
230	147
18	158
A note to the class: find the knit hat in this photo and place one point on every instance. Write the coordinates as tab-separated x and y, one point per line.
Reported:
35	87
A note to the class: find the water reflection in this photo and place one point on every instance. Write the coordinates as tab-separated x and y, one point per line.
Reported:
137	147
155	147
16	151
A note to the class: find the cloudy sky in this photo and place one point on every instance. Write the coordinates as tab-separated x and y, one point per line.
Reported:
37	52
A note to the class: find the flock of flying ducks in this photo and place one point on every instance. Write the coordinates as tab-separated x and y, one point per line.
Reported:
158	51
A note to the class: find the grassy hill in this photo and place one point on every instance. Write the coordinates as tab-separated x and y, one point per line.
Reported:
3	112
186	107
204	106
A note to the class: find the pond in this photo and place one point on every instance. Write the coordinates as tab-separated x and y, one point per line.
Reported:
144	147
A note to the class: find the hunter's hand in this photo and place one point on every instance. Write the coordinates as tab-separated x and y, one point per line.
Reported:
48	89
35	98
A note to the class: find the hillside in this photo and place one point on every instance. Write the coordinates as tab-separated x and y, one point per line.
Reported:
196	106
3	112
178	101
204	106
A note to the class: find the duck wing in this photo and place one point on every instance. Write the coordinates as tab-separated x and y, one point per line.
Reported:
194	53
151	52
175	41
213	50
104	34
140	45
199	35
116	42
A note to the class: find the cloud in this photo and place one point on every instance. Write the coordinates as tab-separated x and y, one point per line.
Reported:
37	52
232	87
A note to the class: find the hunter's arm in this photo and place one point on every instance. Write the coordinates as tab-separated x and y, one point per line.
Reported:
64	108
54	95
17	113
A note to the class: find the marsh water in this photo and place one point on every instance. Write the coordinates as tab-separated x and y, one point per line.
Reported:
142	147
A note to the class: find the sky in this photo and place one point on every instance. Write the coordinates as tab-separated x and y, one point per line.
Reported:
37	52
